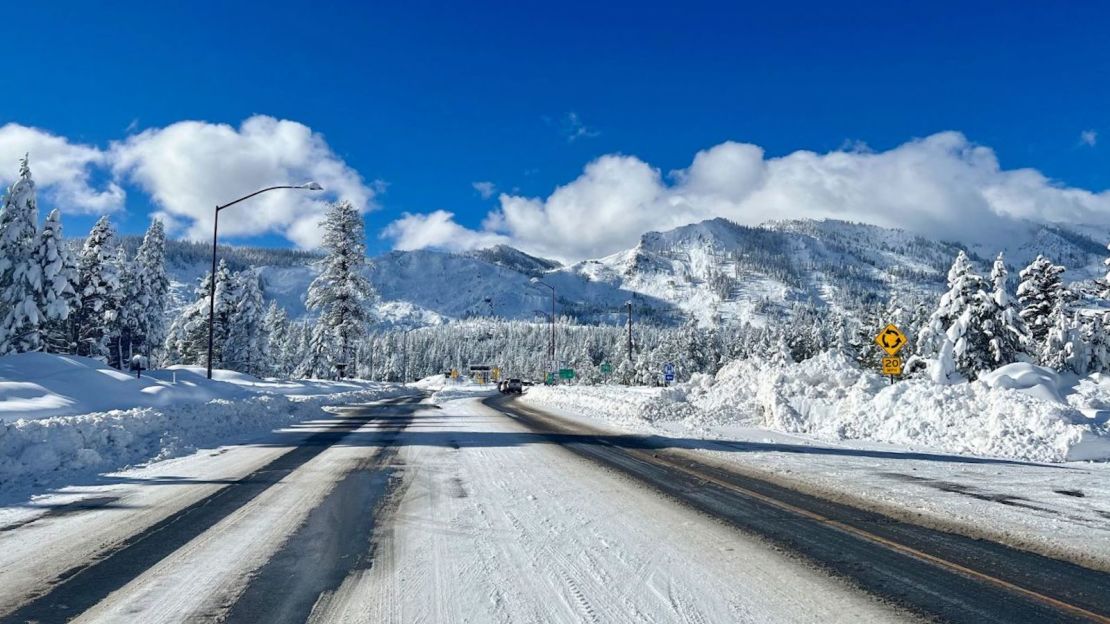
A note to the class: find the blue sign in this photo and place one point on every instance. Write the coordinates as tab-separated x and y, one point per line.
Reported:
668	372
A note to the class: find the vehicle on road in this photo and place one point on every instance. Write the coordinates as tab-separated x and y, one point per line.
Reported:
514	386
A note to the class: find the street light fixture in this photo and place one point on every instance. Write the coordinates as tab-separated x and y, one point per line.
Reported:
307	186
551	350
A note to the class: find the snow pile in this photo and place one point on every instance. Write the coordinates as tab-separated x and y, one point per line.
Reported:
1019	411
56	450
111	420
1015	412
41	385
623	405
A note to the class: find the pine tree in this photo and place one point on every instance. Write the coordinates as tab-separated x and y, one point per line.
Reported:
1106	279
957	332
965	289
340	293
1006	331
152	289
867	352
275	332
20	276
125	314
244	349
223	313
96	286
1064	347
187	339
1040	294
59	280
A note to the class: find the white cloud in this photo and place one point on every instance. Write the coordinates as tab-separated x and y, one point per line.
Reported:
191	166
573	128
62	170
485	189
438	230
941	186
1088	138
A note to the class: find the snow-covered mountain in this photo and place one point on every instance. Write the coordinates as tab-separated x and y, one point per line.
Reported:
711	271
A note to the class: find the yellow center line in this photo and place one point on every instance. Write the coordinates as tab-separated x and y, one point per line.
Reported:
902	548
847	528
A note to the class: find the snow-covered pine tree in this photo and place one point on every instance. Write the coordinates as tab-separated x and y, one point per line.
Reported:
125	315
59	285
341	293
961	320
275	335
1007	333
1064	346
317	349
223	314
97	283
244	349
1106	278
187	339
1039	295
964	290
20	275
867	352
152	288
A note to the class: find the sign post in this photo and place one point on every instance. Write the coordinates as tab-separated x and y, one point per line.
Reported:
892	340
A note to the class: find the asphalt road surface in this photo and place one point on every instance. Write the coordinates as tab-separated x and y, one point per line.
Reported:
405	511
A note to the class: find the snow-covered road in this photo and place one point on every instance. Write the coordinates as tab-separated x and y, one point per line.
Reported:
477	519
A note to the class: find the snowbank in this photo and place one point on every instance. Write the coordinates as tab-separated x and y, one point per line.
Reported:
623	405
41	385
1016	412
112	420
1019	411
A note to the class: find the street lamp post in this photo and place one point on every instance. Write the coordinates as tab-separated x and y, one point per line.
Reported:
551	350
308	186
405	358
629	304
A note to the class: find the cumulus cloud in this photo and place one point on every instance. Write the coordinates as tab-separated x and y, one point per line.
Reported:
189	167
62	170
942	186
1088	138
437	230
485	189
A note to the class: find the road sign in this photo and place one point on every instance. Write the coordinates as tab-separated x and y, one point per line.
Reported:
606	368
891	339
566	373
550	378
668	372
454	373
495	374
892	365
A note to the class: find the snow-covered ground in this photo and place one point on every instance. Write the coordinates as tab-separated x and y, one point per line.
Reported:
488	523
65	419
950	458
497	525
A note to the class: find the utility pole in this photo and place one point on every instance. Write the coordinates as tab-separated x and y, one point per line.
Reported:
629	304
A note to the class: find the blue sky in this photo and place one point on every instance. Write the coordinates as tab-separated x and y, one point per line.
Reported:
431	98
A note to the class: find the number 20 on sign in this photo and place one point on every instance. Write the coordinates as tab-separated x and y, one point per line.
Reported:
892	365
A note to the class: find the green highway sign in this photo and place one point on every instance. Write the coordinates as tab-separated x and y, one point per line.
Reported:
566	373
606	368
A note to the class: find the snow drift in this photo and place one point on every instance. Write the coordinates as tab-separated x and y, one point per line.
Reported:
109	420
1018	411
